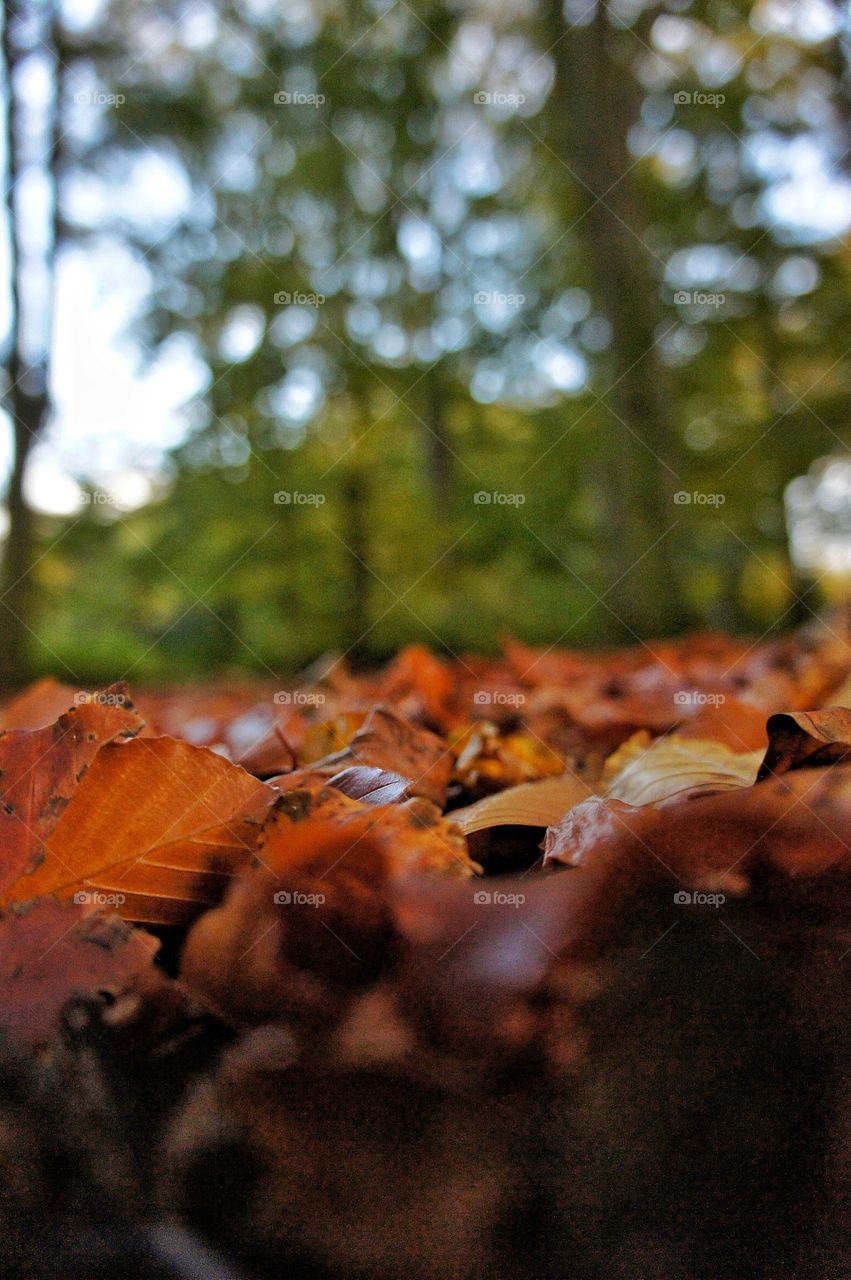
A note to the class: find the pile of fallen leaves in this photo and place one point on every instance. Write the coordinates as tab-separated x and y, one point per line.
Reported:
446	970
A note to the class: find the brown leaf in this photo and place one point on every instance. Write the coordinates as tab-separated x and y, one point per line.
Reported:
532	804
487	759
421	684
157	818
40	770
796	738
373	786
388	742
423	839
38	705
304	928
790	834
643	771
330	737
313	921
54	952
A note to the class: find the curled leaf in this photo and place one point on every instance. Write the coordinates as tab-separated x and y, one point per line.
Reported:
644	771
373	786
796	738
531	804
386	741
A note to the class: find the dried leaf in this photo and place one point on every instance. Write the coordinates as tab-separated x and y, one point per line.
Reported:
794	827
490	760
40	771
806	737
54	952
643	771
736	724
154	817
420	685
330	737
385	741
311	923
38	705
423	839
532	804
373	786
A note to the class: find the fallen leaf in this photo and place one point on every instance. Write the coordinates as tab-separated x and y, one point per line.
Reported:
736	724
54	952
296	935
41	769
154	817
531	804
386	741
420	684
794	827
644	770
374	786
330	737
487	759
806	737
38	705
423	839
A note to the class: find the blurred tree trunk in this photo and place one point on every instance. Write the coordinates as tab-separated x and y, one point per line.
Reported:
26	395
591	96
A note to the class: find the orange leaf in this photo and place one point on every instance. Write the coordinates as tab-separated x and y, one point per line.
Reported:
40	770
155	817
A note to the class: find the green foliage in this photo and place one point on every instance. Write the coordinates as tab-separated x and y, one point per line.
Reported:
395	395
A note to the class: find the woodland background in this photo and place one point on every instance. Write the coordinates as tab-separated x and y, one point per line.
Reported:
396	256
